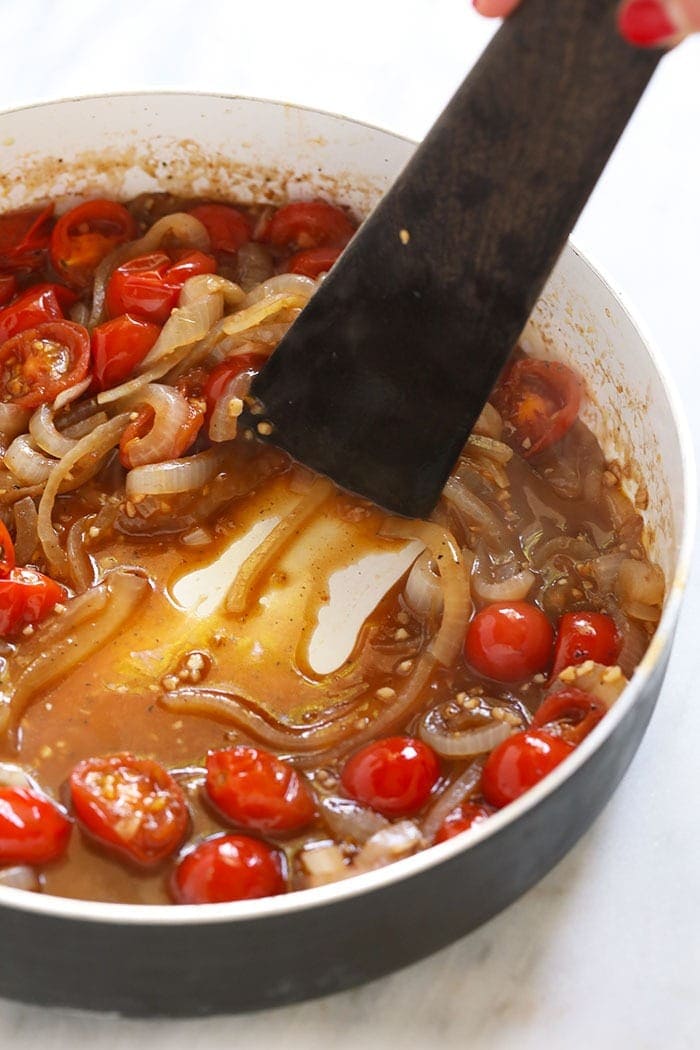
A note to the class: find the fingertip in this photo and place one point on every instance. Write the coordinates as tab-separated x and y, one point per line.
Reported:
495	8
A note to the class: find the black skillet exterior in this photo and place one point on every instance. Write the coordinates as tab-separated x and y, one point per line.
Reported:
183	970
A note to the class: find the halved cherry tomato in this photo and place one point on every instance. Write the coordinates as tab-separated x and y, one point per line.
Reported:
174	446
26	598
131	805
519	763
33	830
461	819
228	868
221	376
8	287
37	364
118	346
308	224
313	261
585	636
149	286
395	776
570	714
228	228
24	235
84	235
43	302
509	641
540	401
256	790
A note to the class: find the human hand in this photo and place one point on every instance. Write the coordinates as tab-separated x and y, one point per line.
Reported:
648	23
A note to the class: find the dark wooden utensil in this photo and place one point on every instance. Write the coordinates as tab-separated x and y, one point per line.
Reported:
381	379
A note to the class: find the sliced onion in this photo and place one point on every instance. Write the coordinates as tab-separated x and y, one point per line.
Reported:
388	845
72	470
28	465
514	589
21	877
489	424
208	284
350	821
476	512
604	570
466	743
173	476
449	561
575	547
13	420
496	450
453	795
323	863
185	326
179	226
45	435
253	315
26	534
69	638
172	412
284	284
71	394
223	425
14	776
639	582
81	568
84	426
423	592
605	683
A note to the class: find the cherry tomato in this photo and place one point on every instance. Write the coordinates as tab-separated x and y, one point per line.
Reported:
118	346
220	377
84	235
33	830
309	224
509	641
26	597
585	636
131	805
461	819
394	776
228	868
149	286
519	763
540	400
256	790
24	236
38	363
178	442
43	302
570	714
313	261
8	288
228	228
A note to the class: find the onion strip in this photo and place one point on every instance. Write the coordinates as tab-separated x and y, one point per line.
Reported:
173	476
461	788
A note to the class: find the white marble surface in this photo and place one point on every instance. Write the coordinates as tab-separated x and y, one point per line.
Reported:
605	952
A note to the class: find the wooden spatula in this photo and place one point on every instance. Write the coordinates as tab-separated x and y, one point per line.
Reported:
380	380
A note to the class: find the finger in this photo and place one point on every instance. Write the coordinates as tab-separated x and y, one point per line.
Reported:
658	23
495	8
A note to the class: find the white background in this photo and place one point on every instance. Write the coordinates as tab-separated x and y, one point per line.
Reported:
605	952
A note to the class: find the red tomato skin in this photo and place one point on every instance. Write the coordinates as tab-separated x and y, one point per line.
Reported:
85	235
25	379
540	400
8	288
33	830
509	641
255	790
394	776
8	550
227	868
228	228
117	347
466	816
519	763
26	598
585	636
103	792
24	235
43	302
308	224
220	377
556	712
313	261
149	286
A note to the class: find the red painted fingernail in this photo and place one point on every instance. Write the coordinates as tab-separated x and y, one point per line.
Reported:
646	23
